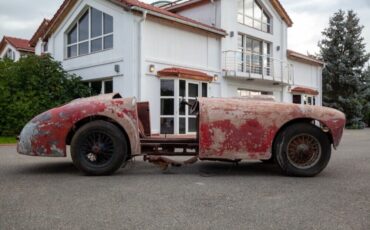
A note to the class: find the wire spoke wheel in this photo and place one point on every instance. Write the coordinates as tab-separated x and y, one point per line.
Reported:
303	151
97	148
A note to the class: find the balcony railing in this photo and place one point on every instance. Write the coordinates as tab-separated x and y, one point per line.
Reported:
248	65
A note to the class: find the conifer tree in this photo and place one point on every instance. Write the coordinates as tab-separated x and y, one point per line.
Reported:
343	50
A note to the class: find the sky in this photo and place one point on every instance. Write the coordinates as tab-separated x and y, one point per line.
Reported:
21	18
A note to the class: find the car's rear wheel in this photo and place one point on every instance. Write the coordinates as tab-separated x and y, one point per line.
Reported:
302	150
99	148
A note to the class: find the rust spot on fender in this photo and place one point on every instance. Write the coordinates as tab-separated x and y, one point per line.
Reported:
245	129
46	134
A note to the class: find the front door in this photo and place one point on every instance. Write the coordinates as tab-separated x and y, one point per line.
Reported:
175	117
189	91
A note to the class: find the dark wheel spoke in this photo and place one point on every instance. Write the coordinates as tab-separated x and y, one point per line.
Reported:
98	148
303	151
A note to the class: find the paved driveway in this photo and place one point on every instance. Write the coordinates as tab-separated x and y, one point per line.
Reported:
40	193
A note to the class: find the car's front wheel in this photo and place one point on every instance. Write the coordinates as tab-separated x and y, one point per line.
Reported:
99	148
302	150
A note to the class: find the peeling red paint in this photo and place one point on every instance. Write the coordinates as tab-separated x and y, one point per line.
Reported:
229	129
46	134
245	129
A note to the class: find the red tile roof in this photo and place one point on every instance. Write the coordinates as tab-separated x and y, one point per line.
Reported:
19	44
305	91
304	58
130	5
184	73
193	3
39	32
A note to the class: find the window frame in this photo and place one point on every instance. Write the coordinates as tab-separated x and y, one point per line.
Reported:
248	56
177	99
305	99
252	92
102	84
76	23
264	12
10	54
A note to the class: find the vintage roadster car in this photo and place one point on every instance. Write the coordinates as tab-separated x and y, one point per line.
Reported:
106	131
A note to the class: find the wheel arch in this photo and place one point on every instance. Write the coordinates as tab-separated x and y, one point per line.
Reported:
306	120
88	119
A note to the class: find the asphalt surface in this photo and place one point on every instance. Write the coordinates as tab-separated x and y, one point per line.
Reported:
42	193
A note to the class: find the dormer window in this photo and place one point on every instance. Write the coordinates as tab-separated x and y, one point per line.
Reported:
10	54
45	47
251	13
92	32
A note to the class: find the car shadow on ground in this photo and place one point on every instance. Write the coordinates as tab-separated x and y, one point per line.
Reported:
204	169
48	168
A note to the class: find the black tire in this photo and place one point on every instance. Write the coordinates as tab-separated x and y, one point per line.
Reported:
99	148
302	150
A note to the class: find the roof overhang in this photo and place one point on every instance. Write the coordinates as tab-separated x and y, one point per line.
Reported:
295	56
184	21
304	90
186	5
21	45
128	5
39	32
194	3
185	74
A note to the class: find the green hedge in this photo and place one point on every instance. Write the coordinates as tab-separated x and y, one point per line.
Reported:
32	85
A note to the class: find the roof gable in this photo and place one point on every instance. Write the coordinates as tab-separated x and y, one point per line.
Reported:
134	5
295	56
194	3
21	45
39	32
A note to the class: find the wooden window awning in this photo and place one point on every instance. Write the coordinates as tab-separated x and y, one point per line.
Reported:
303	90
185	74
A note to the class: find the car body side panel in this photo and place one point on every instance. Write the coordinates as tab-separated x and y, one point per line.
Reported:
245	129
46	134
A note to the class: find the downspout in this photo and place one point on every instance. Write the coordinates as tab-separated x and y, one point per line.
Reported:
140	49
283	48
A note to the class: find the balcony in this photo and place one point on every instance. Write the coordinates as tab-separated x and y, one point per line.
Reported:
249	66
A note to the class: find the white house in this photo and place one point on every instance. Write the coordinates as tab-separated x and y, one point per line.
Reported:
14	48
218	48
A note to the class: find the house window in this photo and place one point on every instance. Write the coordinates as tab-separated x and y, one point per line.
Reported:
175	117
304	99
254	56
297	99
167	115
251	13
100	86
10	54
45	47
92	32
251	93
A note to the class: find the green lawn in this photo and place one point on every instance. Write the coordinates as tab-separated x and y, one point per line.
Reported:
8	140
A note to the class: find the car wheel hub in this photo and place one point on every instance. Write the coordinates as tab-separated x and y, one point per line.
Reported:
303	151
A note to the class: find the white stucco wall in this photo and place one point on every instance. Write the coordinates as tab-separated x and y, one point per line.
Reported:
38	47
5	50
206	13
163	44
166	46
137	45
308	75
223	14
101	65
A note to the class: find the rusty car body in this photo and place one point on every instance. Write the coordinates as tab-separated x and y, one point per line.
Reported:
106	131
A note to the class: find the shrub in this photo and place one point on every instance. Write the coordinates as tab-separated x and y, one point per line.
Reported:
32	85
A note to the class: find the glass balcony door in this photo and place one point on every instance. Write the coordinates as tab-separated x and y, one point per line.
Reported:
175	117
254	56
